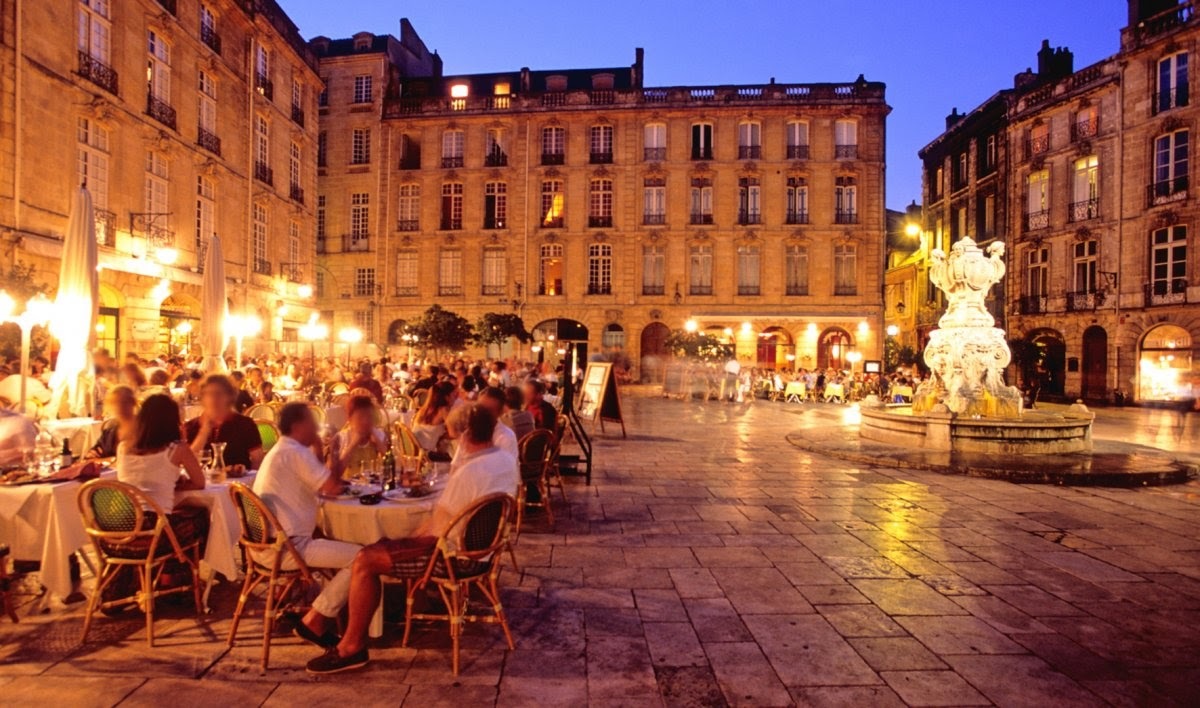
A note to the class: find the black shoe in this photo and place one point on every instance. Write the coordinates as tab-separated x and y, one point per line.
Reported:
325	641
331	663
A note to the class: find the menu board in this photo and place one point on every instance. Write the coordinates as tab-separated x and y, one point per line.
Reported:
598	398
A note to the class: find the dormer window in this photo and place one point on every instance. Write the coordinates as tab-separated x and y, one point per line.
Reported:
557	82
362	42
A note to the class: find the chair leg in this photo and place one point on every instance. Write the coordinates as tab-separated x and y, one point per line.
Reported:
247	586
201	603
268	622
512	553
148	598
409	589
493	595
106	574
456	620
544	488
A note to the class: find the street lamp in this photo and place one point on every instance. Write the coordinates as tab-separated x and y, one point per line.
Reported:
410	339
240	327
691	326
184	330
892	330
38	312
350	336
853	357
912	229
310	333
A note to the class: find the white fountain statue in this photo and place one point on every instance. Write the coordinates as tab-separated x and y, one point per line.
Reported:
967	353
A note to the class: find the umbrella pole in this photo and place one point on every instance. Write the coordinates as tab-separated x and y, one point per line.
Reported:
26	336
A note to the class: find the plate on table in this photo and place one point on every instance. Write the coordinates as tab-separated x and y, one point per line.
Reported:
408	494
354	491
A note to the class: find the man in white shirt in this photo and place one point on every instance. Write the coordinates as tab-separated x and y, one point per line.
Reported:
492	399
290	481
483	469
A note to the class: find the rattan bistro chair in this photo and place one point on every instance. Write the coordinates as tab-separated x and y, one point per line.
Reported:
6	585
268	432
265	547
467	555
407	448
260	412
537	455
114	517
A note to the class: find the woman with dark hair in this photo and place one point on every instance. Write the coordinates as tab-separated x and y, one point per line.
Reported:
359	441
151	461
429	425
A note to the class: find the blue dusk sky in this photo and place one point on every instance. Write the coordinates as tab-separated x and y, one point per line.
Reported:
933	54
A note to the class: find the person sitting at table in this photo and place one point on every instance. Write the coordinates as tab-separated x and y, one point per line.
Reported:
492	399
243	399
120	422
266	393
429	425
544	414
359	441
218	422
364	380
290	482
151	461
483	469
132	376
515	416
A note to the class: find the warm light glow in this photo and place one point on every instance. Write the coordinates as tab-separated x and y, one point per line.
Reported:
167	256
690	326
728	331
912	230
747	328
39	310
811	330
350	335
562	352
314	330
854	357
242	326
282	311
892	330
184	328
790	357
99	328
304	291
536	348
863	328
161	291
7	305
459	91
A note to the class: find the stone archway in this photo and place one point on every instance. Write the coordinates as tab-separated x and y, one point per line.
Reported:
654	352
832	346
1094	383
1050	367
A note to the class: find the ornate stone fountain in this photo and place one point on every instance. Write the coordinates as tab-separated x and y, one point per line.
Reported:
965	405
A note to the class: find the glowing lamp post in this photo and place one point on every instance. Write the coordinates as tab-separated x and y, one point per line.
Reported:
240	327
310	333
852	358
38	312
350	336
411	340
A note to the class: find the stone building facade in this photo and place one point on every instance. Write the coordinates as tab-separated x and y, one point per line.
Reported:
1092	198
184	118
584	197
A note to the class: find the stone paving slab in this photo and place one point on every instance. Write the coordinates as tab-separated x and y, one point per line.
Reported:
712	563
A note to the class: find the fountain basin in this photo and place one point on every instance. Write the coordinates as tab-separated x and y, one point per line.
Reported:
1035	432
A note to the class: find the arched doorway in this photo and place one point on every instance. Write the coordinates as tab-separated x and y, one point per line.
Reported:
1050	363
654	352
1165	364
396	331
556	338
832	347
179	324
774	345
1095	364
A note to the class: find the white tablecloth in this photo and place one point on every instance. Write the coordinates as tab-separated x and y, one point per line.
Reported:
349	520
81	432
837	391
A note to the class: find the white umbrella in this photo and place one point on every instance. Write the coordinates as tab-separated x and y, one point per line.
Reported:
214	309
75	310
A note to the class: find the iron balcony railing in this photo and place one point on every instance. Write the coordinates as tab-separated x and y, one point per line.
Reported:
262	84
406	291
1085	129
654	154
1037	146
1083	300
496	158
749	217
797	152
599	289
208	140
699	218
297	115
700	289
795	289
262	266
408	225
553	158
749	152
296	193
552	222
97	72
843	290
702	152
1166	292
450	290
600	222
356	242
493	290
292	273
1033	304
601	158
845	152
797	217
263	173
495	222
211	39
654	290
451	223
106	228
845	217
1166	99
749	290
1167	191
452	161
1035	220
160	111
649	219
1085	209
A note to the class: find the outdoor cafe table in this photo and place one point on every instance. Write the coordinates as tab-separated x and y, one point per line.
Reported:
41	522
795	389
837	391
81	432
351	521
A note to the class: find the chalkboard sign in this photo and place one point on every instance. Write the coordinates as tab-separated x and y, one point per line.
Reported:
598	398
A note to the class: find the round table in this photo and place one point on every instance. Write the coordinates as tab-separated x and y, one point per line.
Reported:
354	522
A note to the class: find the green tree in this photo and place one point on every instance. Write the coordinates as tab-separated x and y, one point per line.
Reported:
20	282
698	345
499	327
442	330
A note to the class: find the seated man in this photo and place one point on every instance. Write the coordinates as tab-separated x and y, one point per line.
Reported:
289	482
484	469
220	423
515	416
492	399
544	414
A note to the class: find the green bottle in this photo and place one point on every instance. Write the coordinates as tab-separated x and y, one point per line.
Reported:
388	471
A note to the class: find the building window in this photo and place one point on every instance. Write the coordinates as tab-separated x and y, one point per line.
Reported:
360	221
407	278
262	150
94	39
750	141
1172	82
92	156
1085	203
845	139
450	272
409	208
601	145
158	68
364	282
654	267
550	269
554	145
702	141
410	153
749	201
365	320
157	176
702	200
206	220
1039	140
600	203
552	204
1085	266
1086	124
320	223
319	285
295	191
1037	281
262	72
364	85
258	240
654	142
959	226
845	200
961	175
613	337
796	270
600	269
495	205
494	154
322	148
654	201
749	270
1170	167
1037	200
206	113
986	159
452	206
700	270
495	271
360	146
453	143
797	200
1168	265
985	221
845	269
323	97
797	140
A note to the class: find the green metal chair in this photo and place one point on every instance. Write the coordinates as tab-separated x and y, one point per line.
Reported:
269	434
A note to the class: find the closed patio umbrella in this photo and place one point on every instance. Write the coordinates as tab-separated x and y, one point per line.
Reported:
214	309
75	307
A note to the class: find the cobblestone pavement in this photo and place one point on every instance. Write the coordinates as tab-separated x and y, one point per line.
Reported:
711	563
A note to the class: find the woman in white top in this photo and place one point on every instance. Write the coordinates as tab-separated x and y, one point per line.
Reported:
152	460
359	442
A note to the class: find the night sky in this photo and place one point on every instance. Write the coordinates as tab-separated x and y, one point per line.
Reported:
933	54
